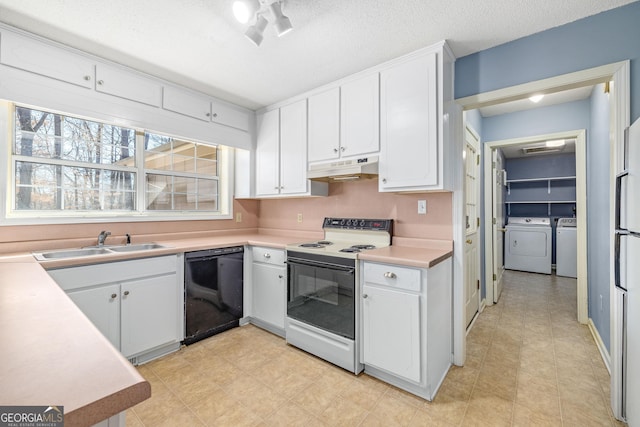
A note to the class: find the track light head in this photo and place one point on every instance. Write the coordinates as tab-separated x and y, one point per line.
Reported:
281	23
255	33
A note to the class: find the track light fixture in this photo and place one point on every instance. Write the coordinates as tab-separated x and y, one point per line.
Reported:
255	10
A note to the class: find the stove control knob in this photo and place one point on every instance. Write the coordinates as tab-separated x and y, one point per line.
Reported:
362	223
348	222
342	222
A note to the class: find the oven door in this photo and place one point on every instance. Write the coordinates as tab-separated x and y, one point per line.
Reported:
322	293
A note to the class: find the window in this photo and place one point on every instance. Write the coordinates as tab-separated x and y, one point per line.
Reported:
180	175
63	166
64	163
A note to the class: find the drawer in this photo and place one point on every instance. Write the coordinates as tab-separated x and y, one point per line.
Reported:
268	255
392	275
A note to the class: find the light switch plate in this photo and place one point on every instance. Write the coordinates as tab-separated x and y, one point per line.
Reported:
422	207
238	216
299	217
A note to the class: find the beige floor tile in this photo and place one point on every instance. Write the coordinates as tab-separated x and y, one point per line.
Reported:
343	413
525	417
236	415
501	410
316	398
291	414
158	409
446	409
132	419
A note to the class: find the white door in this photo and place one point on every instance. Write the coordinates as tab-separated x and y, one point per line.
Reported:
498	222
268	153
293	148
391	343
472	196
101	306
149	312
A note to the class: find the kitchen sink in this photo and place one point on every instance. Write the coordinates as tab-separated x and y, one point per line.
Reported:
134	248
94	250
71	253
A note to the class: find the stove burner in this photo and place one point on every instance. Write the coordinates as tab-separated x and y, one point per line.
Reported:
350	250
325	242
311	245
363	246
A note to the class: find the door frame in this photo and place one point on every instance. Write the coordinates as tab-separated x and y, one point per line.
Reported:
619	73
479	227
581	207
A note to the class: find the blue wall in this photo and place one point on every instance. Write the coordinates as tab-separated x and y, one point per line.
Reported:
601	39
598	168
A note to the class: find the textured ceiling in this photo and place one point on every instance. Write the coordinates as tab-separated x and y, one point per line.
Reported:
199	44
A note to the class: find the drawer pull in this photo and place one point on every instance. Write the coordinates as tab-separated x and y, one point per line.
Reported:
390	275
267	255
365	296
126	293
113	296
280	276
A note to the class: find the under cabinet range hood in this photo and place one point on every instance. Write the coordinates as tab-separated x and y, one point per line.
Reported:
344	170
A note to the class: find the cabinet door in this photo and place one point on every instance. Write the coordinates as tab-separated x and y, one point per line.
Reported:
324	126
269	294
229	116
391	331
408	125
102	306
149	313
187	103
37	57
268	153
128	85
293	148
360	113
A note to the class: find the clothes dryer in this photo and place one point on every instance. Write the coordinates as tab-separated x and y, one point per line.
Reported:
528	245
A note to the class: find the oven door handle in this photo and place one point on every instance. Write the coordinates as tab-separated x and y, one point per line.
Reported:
298	261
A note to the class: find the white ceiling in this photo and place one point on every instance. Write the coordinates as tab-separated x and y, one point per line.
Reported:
199	44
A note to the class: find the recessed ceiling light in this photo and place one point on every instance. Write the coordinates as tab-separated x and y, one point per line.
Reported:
536	98
555	143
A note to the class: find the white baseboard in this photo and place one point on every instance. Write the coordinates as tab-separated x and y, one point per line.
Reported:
483	305
606	358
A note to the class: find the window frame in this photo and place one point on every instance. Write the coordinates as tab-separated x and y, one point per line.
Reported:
11	216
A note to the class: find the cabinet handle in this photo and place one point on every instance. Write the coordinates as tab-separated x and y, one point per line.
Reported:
343	148
126	293
280	276
100	82
267	255
215	114
335	150
384	180
87	78
208	114
390	275
365	296
113	296
469	241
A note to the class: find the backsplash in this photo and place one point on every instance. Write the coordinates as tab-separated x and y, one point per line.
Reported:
362	199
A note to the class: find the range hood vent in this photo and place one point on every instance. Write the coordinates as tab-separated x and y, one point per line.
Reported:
344	170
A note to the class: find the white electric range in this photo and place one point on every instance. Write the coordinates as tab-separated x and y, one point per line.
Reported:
323	291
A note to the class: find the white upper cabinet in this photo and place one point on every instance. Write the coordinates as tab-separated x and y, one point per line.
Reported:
125	84
409	155
324	126
281	154
293	148
415	146
188	103
229	116
344	121
31	55
268	154
359	116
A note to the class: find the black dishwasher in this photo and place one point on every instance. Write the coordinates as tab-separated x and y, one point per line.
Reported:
213	291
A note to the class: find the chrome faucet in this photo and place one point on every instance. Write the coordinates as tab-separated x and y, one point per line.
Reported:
102	237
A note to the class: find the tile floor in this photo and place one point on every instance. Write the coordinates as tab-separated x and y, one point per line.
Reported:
529	363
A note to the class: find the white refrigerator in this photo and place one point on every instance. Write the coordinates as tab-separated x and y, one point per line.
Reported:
626	339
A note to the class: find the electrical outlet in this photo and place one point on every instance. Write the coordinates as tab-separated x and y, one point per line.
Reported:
299	217
238	216
422	207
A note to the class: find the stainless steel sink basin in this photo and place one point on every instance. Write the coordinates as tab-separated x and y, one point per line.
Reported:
71	253
138	247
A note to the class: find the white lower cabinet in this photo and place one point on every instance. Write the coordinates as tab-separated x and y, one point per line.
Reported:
136	304
269	285
406	325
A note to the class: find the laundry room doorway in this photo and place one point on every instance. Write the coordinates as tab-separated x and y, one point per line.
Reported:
498	182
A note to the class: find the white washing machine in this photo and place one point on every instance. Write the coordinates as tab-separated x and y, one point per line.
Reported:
566	248
528	245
